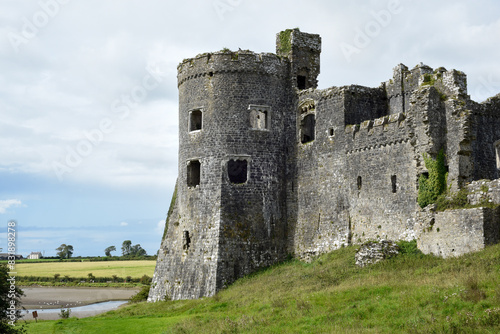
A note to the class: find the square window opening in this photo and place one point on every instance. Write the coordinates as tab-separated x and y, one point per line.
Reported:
259	119
195	120
237	171
193	173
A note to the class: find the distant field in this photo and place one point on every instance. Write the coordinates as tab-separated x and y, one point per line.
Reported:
135	269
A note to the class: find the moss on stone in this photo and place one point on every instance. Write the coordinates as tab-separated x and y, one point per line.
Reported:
429	80
285	41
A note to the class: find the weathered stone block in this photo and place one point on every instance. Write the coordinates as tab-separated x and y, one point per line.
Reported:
375	251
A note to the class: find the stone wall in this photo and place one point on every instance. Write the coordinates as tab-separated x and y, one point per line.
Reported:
303	50
484	191
457	232
485	127
363	103
322	221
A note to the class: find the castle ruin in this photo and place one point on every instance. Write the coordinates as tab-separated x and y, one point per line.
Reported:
269	165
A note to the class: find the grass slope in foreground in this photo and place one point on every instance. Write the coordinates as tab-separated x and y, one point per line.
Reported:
411	293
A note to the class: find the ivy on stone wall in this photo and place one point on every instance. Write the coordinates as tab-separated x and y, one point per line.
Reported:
430	187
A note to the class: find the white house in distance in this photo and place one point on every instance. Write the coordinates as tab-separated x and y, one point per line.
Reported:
35	256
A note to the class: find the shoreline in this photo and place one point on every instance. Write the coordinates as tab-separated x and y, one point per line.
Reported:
42	297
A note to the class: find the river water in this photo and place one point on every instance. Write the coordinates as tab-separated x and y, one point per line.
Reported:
83	302
79	311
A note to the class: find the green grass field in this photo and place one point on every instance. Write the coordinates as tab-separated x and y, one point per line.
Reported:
135	269
408	294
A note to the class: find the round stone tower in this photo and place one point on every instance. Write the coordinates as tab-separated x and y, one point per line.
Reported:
237	136
234	109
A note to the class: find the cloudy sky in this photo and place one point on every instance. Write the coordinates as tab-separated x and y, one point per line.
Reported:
88	94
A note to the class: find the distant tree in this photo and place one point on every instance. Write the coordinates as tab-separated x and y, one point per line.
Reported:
108	250
137	250
126	245
64	251
8	293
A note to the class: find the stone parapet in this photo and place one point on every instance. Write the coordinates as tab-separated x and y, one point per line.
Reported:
210	64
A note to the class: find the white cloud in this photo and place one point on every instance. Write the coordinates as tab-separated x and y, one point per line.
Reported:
123	224
62	83
5	204
160	227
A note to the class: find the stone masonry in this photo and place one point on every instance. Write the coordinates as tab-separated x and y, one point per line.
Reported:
271	166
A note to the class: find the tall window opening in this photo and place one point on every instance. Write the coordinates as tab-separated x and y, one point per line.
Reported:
193	173
307	128
394	183
195	120
359	182
237	171
186	240
301	81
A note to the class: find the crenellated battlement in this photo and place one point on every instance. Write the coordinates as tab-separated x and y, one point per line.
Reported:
377	133
210	64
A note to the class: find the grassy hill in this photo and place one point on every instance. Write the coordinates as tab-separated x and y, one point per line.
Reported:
410	293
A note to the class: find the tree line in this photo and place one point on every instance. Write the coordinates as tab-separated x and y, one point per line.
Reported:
66	251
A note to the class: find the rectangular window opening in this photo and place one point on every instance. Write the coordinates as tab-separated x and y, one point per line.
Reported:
301	82
237	171
186	240
359	182
394	183
195	120
307	128
193	173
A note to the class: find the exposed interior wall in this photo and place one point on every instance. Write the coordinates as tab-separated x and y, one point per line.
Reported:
486	130
363	103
